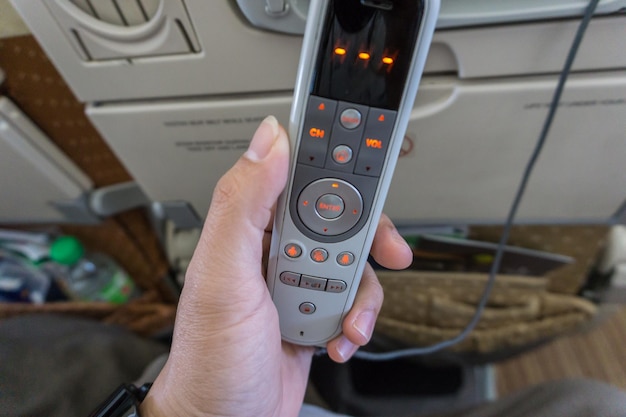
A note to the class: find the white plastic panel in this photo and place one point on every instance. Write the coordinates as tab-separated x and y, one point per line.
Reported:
468	145
237	58
538	48
456	13
453	13
33	172
469	150
176	151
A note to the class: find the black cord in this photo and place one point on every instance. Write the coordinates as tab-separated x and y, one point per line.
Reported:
495	267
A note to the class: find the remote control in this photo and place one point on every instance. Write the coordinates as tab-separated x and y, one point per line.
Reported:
359	72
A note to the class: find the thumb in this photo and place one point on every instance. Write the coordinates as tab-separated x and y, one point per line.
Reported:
242	205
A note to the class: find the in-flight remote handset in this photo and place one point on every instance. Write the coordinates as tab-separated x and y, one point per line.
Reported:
359	72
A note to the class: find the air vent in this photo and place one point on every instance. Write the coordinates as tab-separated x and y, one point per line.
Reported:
119	12
126	29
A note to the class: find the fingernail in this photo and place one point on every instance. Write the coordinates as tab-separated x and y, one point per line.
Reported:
346	348
263	139
364	324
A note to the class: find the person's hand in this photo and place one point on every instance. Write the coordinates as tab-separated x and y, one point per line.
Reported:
227	357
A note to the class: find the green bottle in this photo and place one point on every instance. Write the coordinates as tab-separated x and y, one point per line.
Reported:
91	276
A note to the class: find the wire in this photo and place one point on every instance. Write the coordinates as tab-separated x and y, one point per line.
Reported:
386	356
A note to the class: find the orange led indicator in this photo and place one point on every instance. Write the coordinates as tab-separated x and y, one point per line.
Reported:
317	133
364	56
305	203
335	185
388	60
321	107
374	143
381	118
340	51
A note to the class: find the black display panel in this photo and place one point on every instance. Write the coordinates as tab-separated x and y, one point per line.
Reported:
366	51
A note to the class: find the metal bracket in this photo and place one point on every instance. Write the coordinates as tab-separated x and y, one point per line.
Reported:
107	201
76	211
92	206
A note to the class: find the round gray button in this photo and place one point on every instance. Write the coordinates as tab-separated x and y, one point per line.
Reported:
320	210
342	154
345	259
293	250
330	206
350	118
319	255
307	308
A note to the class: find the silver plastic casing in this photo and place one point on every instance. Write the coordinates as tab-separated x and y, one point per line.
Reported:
331	308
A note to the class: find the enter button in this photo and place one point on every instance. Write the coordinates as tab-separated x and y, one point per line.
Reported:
330	206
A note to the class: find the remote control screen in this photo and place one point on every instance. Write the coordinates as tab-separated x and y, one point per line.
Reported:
367	50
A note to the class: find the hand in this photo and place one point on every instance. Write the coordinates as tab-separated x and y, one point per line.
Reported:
227	357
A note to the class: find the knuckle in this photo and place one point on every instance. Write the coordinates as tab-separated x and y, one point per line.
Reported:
374	290
380	294
226	192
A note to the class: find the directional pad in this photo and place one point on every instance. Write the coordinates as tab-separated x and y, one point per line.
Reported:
330	206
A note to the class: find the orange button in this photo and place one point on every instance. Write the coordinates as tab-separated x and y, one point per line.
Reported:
345	259
293	251
319	255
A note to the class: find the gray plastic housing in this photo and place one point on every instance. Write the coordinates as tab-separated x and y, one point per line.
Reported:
330	308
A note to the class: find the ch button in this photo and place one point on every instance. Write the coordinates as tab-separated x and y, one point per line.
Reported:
317	129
